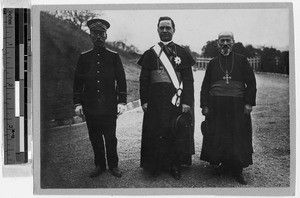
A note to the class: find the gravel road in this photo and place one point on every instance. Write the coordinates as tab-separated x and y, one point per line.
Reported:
67	157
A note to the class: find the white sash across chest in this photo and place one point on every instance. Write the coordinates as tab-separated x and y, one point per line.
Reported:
172	74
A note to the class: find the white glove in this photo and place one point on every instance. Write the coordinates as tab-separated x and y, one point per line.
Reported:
185	108
78	110
205	111
247	109
144	107
121	108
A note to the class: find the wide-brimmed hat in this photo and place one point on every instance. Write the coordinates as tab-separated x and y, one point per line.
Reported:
181	124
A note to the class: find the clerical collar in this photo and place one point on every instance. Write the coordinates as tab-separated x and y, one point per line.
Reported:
166	43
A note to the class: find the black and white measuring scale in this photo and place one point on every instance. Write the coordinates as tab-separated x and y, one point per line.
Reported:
16	82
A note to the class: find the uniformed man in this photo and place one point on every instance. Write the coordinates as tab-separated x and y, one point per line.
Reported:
165	96
100	94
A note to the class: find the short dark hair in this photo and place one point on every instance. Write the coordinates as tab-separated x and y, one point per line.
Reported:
166	18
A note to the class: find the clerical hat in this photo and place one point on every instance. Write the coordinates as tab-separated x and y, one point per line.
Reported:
181	124
226	34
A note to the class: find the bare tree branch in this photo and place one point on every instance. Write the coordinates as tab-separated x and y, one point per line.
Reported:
78	18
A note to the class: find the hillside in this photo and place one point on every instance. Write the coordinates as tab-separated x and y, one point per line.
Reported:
61	44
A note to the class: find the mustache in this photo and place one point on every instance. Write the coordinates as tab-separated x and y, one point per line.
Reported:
98	40
165	33
226	45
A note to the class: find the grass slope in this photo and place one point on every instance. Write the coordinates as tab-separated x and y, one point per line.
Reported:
61	45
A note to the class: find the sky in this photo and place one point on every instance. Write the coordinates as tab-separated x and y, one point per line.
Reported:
194	27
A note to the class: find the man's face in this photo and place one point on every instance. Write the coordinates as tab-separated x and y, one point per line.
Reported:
225	44
98	37
165	30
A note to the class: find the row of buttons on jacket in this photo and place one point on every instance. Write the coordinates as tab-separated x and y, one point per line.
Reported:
98	72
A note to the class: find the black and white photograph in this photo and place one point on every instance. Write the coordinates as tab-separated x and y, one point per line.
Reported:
164	99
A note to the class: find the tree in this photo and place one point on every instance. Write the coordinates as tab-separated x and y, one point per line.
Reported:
194	54
272	60
269	59
133	49
76	17
284	60
251	51
210	49
239	48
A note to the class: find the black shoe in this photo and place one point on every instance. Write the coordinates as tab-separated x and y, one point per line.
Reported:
175	172
96	172
115	172
154	173
240	178
221	170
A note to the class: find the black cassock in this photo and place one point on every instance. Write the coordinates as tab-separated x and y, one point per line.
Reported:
229	135
158	148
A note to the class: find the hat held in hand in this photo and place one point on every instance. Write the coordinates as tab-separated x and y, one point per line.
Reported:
181	124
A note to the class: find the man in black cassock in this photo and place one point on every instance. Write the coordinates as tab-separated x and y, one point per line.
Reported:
99	71
227	95
160	149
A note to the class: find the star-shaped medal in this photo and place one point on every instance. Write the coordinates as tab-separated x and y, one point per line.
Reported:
177	60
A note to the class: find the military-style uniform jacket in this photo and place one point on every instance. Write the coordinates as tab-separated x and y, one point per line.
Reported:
100	82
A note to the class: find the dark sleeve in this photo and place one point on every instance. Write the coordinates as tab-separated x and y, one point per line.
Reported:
187	59
187	78
250	81
145	76
78	83
188	86
121	81
204	93
191	60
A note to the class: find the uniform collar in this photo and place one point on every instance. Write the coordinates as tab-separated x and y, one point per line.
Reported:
99	49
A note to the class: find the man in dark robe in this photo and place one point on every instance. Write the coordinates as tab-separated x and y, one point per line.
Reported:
99	71
159	148
227	95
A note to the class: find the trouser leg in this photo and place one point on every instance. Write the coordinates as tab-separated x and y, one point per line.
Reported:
97	142
111	142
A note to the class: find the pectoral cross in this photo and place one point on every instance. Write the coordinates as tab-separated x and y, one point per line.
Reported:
227	77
